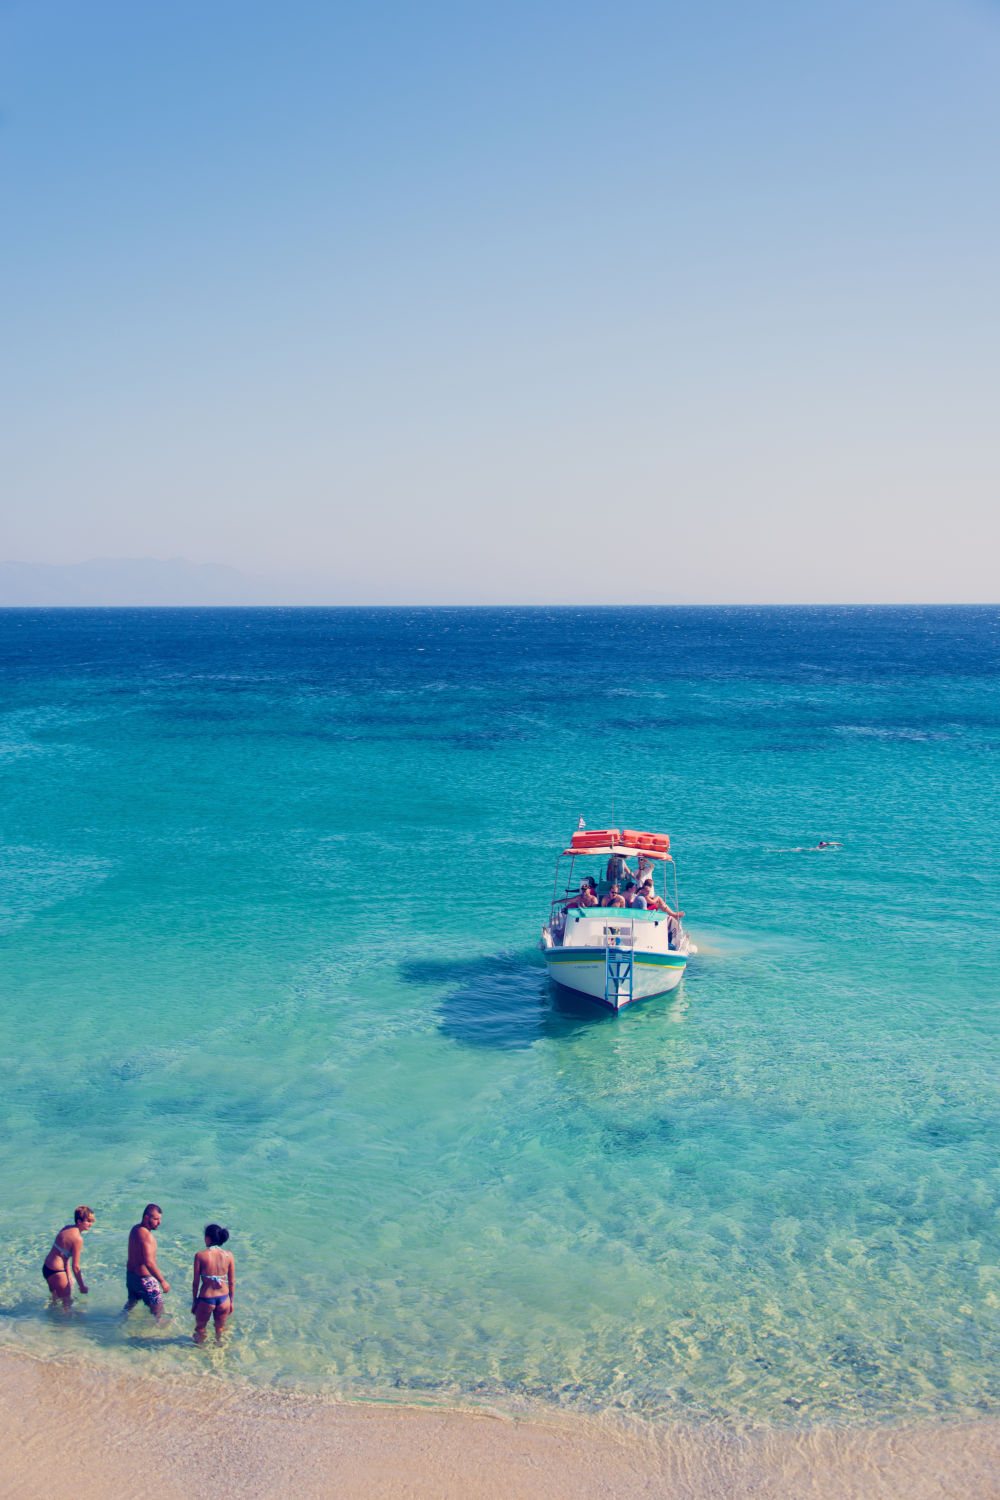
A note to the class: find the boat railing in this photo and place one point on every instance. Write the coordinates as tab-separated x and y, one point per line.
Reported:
558	920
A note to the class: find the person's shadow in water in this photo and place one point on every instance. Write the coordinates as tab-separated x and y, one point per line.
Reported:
504	1001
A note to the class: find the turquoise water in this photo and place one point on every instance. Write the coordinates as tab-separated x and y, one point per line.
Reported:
270	887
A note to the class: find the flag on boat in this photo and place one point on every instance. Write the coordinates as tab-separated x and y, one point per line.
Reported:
581	824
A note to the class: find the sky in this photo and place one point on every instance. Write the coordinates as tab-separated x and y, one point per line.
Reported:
525	303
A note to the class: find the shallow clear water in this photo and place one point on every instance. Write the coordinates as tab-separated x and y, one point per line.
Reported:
270	887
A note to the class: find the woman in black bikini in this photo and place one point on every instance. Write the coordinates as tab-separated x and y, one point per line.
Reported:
65	1252
214	1280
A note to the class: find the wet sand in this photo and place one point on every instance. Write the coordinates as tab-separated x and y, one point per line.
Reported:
93	1433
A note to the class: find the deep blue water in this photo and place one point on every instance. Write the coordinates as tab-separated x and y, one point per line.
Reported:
270	887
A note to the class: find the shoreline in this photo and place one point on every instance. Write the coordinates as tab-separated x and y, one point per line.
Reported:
99	1432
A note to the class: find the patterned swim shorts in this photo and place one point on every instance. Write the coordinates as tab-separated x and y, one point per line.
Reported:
144	1289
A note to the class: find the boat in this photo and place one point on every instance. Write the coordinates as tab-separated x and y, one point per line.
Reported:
613	954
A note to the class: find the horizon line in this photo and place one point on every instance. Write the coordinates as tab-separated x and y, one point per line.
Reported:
582	604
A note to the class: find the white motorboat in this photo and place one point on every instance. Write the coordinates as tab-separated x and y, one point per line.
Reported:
596	944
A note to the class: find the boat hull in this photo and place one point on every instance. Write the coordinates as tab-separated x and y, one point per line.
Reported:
584	970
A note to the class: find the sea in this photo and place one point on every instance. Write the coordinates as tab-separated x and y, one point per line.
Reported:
272	883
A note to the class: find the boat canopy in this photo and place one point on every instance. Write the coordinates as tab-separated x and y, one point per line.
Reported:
624	849
624	841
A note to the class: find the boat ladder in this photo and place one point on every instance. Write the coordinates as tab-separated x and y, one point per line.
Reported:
618	975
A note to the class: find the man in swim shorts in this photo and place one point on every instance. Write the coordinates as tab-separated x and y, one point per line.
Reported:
142	1275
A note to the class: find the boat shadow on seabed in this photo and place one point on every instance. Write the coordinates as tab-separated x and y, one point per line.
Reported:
504	1000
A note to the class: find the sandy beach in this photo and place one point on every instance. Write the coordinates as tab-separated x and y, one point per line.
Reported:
96	1433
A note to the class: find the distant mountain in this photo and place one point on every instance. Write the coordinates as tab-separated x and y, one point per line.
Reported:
150	581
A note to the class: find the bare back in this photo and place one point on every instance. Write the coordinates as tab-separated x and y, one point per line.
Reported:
215	1268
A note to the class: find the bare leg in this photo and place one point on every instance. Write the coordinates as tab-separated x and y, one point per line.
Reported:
61	1288
202	1313
222	1312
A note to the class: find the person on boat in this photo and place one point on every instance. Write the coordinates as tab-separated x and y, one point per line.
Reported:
587	895
214	1283
618	870
657	903
65	1253
143	1281
613	898
634	897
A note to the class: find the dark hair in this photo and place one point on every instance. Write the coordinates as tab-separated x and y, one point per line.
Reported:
215	1234
152	1208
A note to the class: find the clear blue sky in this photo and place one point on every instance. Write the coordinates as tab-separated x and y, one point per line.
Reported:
520	302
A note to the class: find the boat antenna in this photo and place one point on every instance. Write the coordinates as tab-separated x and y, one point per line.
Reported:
612	804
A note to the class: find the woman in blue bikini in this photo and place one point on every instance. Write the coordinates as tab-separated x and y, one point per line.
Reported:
214	1281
